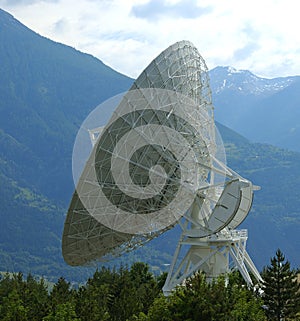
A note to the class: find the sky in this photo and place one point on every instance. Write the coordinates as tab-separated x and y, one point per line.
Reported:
258	35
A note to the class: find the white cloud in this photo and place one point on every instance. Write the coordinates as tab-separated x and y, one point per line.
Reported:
23	2
261	36
157	9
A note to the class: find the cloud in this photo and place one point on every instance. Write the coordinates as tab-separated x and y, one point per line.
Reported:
156	9
60	25
25	2
127	35
246	51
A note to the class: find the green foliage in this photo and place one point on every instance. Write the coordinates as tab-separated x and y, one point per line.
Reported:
159	311
12	308
128	295
93	299
36	298
246	306
63	312
199	300
61	293
281	289
23	299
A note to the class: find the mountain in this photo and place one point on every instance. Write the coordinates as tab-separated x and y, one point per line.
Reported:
47	89
263	110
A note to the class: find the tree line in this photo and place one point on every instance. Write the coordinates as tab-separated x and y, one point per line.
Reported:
135	294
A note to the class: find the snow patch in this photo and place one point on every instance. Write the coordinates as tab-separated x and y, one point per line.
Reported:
233	70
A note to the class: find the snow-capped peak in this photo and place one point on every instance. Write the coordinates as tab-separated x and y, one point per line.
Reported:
243	81
232	70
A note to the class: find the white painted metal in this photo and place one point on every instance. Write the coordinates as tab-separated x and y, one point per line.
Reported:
174	88
158	162
214	255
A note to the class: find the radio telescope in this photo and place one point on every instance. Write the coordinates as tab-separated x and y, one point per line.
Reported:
158	162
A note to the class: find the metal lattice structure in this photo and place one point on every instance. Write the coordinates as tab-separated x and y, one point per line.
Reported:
179	67
158	162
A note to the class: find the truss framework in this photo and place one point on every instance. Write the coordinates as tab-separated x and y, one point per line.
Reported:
214	255
160	161
181	73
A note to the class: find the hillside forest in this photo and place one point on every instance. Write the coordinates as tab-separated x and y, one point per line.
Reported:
135	294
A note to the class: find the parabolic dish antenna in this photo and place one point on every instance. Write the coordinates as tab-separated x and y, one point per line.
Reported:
156	161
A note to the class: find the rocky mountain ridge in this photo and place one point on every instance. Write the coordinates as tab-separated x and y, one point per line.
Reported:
244	81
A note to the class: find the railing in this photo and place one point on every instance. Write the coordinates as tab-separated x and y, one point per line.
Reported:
239	233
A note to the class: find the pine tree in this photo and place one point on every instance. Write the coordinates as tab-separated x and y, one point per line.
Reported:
13	308
281	290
